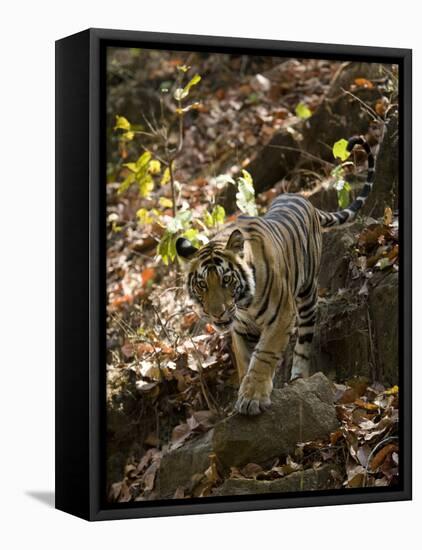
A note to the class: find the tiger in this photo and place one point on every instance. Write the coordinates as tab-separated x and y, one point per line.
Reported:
258	279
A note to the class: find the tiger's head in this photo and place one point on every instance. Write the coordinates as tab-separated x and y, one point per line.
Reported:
219	280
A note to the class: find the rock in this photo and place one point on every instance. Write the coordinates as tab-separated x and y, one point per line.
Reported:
357	335
122	411
342	342
178	466
336	248
385	190
312	479
338	244
384	314
302	411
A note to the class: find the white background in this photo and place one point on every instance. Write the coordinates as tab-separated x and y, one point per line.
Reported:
28	31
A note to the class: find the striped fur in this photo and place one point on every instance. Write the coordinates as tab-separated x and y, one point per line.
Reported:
259	277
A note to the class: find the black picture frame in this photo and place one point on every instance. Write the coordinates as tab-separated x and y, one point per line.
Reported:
80	273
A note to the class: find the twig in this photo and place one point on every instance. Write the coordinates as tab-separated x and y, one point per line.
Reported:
128	330
161	322
305	153
169	289
173	187
211	403
371	342
367	107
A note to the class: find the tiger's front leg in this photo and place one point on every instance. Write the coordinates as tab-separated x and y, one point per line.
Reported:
257	384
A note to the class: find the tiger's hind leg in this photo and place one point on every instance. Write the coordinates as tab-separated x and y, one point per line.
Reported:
306	317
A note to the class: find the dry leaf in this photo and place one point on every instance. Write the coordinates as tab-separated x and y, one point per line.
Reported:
381	455
363	83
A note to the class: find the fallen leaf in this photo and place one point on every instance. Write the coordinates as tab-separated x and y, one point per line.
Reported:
381	455
180	434
388	216
251	470
149	476
147	275
363	83
365	405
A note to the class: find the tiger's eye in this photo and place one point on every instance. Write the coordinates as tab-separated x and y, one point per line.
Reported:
226	279
202	285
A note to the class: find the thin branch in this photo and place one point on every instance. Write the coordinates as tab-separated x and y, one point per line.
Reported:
161	322
367	107
305	153
211	403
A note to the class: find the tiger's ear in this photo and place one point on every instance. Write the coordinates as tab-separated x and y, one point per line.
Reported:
185	249
235	242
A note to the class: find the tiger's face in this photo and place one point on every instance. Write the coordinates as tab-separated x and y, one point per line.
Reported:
219	279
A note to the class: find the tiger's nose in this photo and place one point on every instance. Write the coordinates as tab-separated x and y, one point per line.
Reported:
219	312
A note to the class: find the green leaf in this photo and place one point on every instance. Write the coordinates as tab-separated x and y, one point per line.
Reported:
218	214
245	197
248	178
340	150
131	166
192	82
163	248
122	123
144	216
154	167
338	172
195	236
126	183
128	136
208	220
166	177
303	111
216	217
165	202
145	184
343	195
143	160
191	234
167	248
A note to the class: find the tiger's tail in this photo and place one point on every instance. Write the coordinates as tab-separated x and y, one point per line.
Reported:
329	219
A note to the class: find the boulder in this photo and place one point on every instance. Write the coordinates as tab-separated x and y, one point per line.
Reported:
123	405
301	411
385	189
342	343
178	466
356	335
312	479
384	314
337	245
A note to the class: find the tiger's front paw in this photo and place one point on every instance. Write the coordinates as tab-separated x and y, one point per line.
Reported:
253	397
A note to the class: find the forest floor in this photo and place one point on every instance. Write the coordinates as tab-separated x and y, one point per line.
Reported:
170	376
